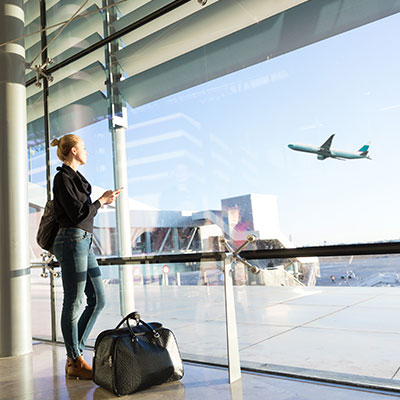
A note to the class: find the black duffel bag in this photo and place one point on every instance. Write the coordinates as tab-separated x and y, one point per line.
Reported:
130	359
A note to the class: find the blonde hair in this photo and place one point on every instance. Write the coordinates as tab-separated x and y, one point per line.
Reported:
65	144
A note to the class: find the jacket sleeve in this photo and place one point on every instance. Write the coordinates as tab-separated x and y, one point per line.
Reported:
76	210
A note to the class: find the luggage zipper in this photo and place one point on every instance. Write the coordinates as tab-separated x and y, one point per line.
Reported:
110	361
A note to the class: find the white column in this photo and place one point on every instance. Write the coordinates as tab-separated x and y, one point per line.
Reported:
15	299
127	298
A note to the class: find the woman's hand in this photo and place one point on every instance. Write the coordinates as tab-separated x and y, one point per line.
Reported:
109	196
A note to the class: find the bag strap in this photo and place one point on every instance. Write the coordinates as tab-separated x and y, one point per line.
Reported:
136	316
156	335
133	315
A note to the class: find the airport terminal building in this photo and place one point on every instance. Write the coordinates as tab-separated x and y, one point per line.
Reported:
277	270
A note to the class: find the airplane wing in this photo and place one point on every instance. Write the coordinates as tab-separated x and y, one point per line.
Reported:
327	144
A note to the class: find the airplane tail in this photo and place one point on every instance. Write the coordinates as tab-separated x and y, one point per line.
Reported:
364	150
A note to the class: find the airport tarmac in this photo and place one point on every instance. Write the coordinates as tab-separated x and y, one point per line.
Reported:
357	270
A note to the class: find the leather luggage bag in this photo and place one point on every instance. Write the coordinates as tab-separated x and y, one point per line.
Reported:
130	359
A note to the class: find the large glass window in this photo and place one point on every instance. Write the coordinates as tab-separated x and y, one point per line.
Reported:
237	119
211	153
219	152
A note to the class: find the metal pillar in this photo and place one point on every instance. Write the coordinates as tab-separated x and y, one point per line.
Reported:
15	301
230	313
117	124
231	327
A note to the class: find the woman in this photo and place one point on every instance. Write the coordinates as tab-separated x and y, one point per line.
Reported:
73	248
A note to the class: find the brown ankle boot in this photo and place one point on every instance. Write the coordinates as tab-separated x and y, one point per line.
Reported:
78	368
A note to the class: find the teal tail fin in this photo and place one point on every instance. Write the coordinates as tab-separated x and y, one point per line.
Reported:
364	149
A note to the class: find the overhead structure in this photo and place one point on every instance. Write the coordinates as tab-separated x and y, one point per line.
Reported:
187	46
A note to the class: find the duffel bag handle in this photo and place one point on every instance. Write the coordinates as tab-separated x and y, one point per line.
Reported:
148	326
133	315
136	316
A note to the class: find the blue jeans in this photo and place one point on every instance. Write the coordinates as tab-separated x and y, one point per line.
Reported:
80	276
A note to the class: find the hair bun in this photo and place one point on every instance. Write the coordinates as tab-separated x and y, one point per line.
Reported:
55	142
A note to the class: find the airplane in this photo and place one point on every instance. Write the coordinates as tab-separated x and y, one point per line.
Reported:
325	151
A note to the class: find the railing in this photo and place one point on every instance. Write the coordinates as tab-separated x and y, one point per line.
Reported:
49	265
50	269
232	254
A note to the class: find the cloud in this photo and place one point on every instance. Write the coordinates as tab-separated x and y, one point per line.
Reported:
314	125
390	107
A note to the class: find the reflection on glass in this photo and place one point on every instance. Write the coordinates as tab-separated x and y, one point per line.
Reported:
191	148
41	307
213	159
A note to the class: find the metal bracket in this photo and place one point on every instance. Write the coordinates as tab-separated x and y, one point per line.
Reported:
41	72
230	313
235	253
47	266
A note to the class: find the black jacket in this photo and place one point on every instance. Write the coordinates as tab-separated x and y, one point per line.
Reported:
73	207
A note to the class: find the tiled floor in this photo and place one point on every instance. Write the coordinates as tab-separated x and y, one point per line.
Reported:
40	376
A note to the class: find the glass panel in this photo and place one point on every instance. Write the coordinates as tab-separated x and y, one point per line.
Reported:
40	303
215	158
342	327
110	315
185	297
78	105
36	165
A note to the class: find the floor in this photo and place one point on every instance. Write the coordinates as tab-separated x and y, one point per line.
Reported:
40	376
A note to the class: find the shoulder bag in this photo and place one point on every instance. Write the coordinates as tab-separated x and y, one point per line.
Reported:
48	227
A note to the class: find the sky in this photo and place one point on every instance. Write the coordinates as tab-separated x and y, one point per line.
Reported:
347	85
229	137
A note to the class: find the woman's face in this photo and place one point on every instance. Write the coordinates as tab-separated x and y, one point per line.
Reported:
81	153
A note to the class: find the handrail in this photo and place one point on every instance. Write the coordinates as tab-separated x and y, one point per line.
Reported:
296	252
326	251
48	265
